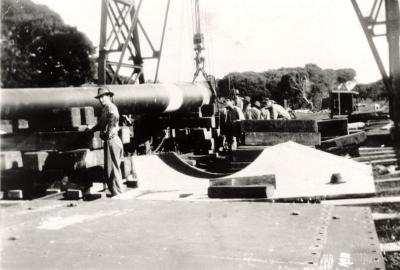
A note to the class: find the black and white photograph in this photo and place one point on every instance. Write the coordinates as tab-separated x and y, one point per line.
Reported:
200	134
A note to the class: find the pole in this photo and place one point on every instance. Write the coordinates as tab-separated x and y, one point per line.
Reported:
162	42
101	73
393	36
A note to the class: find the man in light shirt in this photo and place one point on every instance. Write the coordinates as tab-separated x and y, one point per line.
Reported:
113	148
277	111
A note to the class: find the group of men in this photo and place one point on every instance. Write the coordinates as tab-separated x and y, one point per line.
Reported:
238	108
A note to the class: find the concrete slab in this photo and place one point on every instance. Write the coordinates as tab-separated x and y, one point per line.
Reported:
114	234
301	171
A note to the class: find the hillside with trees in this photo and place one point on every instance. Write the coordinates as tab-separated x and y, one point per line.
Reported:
302	87
39	50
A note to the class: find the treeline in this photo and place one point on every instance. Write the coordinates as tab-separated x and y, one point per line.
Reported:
373	91
39	50
301	86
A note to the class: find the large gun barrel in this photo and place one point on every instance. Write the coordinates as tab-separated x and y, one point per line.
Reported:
135	99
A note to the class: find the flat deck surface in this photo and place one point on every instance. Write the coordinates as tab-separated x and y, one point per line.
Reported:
142	234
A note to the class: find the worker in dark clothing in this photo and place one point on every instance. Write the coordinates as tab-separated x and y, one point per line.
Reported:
231	114
113	148
252	112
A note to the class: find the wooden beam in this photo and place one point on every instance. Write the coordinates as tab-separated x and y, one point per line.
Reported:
363	201
390	247
60	141
268	179
272	138
278	126
242	192
375	157
352	139
386	162
383	216
388	180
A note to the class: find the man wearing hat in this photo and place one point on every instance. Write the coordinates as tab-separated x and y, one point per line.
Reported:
113	149
230	114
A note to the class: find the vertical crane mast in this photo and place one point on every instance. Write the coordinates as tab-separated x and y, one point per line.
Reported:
120	49
390	79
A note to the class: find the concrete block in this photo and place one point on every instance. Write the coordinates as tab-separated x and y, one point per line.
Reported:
50	191
10	160
23	124
74	194
35	160
15	194
278	126
6	126
272	138
125	134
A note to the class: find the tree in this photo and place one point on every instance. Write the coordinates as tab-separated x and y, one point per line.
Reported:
39	50
345	75
374	91
302	87
248	83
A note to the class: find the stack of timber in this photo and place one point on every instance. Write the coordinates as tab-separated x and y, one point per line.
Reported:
386	156
192	134
272	132
56	150
344	144
259	134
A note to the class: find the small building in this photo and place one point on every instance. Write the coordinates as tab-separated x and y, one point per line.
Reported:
342	102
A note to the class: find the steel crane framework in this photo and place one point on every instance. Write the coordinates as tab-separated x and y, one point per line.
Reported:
120	26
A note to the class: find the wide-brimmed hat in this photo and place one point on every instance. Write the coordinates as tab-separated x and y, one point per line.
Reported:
103	91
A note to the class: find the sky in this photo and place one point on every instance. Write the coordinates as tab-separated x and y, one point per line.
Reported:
252	35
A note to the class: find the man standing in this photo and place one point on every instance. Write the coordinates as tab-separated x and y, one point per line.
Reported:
231	114
277	111
113	149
